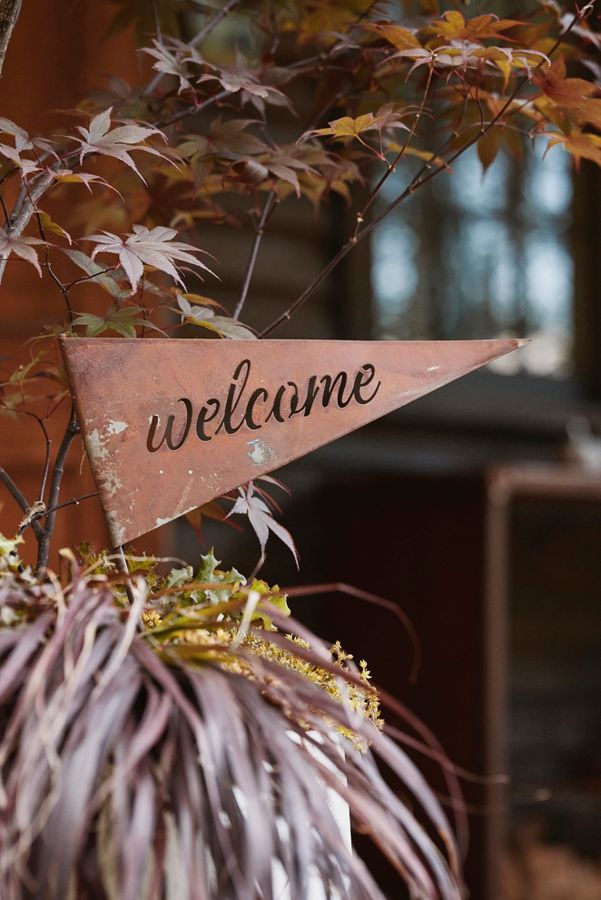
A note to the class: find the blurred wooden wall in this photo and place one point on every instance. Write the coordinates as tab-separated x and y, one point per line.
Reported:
58	51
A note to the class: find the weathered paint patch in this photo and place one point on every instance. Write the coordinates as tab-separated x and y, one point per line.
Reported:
95	445
111	481
260	453
115	527
116	427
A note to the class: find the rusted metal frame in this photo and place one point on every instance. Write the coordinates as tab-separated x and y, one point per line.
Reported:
504	483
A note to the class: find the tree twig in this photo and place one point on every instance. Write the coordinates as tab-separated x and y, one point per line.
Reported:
268	208
20	499
48	443
422	177
64	289
193	110
391	167
196	40
9	13
25	210
214	22
75	501
55	485
5	213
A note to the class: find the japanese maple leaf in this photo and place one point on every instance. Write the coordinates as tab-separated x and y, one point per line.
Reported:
172	58
20	246
118	143
204	317
151	247
579	144
453	25
572	94
261	519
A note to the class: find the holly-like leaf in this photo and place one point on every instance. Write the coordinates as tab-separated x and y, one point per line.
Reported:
248	503
119	142
8	546
23	247
210	573
151	247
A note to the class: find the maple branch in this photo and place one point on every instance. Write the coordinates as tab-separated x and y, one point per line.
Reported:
71	431
25	209
268	208
5	212
214	22
48	443
421	178
196	40
392	166
157	20
193	110
75	501
19	499
64	289
9	13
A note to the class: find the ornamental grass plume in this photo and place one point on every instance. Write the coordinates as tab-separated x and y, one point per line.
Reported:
146	752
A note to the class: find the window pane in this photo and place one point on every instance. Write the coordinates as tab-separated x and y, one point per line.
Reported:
476	256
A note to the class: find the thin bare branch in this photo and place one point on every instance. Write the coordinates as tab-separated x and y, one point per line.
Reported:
55	485
5	212
268	208
19	499
75	501
48	445
193	110
207	28
421	178
392	166
25	210
62	288
9	13
213	22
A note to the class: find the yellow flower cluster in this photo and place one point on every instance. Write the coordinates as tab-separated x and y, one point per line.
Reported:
220	638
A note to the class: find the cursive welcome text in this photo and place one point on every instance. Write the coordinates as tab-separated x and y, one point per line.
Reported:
251	407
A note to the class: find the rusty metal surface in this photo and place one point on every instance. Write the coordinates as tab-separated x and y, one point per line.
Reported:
171	424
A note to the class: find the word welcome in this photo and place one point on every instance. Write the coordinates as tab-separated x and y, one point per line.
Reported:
245	407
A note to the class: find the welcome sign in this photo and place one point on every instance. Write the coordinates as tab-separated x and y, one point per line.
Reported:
170	424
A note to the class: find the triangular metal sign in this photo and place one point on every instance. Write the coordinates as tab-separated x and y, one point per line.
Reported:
171	424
